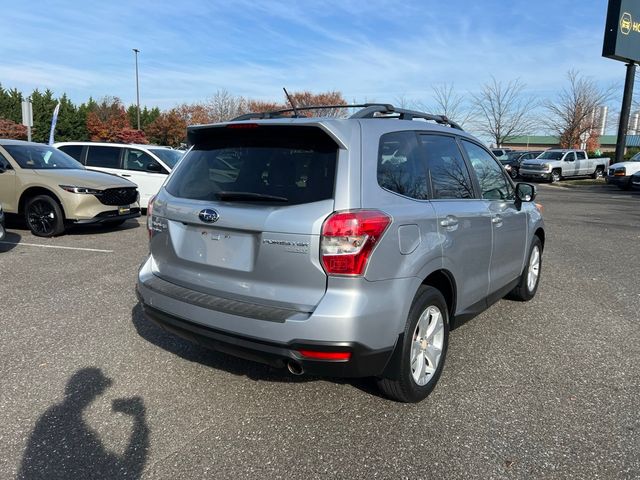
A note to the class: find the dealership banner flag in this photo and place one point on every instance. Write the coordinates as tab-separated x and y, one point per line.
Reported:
54	120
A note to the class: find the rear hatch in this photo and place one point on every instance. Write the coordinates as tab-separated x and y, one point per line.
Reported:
240	217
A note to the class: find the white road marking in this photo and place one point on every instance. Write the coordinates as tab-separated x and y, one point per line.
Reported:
58	246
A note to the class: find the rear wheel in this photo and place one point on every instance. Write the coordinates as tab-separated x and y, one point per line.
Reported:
598	173
44	216
424	348
528	285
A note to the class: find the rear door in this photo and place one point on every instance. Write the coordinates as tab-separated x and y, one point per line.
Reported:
583	165
145	171
242	213
104	159
508	222
464	222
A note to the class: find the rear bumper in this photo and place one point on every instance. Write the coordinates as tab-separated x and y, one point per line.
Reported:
363	362
109	216
356	316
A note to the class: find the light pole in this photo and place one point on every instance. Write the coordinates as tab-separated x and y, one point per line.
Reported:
136	52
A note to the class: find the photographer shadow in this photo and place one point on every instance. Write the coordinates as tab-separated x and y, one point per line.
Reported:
63	446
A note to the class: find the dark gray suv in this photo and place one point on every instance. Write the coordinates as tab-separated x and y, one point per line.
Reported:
338	247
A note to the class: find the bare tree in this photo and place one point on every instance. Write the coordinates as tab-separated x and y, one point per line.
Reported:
451	104
224	106
503	111
572	114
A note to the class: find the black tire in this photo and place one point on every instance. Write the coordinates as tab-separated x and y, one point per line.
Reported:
44	216
522	292
556	176
598	173
403	387
514	172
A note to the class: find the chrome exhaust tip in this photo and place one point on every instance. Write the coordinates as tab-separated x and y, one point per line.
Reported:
294	368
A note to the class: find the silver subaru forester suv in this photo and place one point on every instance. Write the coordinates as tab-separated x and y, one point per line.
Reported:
338	247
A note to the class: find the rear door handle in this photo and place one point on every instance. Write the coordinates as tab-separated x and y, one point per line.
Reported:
497	220
449	222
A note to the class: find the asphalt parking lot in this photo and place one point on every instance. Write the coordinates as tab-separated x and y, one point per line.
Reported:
545	389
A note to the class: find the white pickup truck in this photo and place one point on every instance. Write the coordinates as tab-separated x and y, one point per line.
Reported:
556	164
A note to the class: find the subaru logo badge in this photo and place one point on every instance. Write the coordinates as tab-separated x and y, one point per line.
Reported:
209	215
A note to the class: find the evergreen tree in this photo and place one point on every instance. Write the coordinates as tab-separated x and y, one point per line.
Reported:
10	105
43	106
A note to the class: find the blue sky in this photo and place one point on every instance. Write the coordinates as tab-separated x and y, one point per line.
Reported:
369	50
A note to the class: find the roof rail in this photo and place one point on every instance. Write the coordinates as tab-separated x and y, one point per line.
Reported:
369	110
389	111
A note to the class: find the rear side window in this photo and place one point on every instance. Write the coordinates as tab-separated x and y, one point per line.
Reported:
74	151
450	178
275	164
105	157
400	166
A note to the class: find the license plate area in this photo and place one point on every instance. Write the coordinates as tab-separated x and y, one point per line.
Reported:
214	247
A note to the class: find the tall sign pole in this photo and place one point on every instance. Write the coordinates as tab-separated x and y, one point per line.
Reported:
623	126
622	42
136	52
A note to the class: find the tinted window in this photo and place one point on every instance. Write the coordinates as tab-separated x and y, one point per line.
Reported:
400	166
581	155
448	171
169	157
41	157
105	157
138	160
493	183
74	151
287	165
549	155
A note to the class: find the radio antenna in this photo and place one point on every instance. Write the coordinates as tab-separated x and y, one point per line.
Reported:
293	105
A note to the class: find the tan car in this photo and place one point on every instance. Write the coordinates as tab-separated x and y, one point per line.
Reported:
52	190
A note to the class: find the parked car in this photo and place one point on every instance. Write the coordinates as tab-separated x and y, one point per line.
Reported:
501	153
635	181
338	247
511	162
2	230
52	190
556	164
620	173
145	165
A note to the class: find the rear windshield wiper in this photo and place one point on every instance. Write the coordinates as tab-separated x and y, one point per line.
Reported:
261	197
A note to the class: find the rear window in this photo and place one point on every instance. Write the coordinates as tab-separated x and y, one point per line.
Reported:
285	165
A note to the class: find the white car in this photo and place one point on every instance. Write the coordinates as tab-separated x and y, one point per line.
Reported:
145	165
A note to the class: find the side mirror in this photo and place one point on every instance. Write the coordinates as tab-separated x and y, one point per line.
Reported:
154	167
525	192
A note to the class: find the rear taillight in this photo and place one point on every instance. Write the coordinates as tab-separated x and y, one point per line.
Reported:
348	238
150	215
